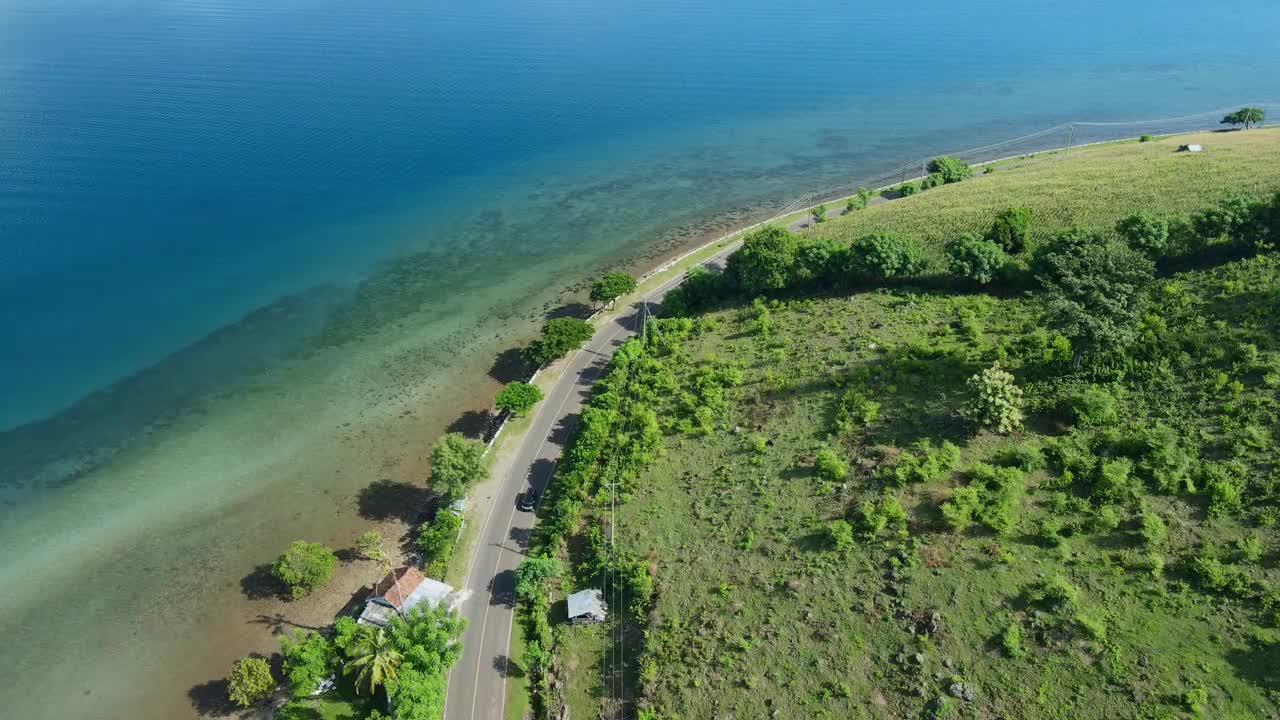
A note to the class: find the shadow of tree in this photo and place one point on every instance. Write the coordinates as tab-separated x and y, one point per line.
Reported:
278	624
390	500
510	366
521	536
475	424
502	589
1259	663
261	584
571	309
507	667
209	699
563	429
540	473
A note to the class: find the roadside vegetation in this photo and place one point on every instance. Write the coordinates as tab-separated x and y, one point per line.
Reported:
1004	449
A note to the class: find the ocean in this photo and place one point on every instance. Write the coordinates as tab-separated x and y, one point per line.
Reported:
255	257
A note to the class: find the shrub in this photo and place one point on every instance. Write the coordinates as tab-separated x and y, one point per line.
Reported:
874	518
1145	233
976	259
1163	460
1145	138
1106	519
855	410
1011	640
304	567
250	681
907	189
951	169
1195	699
922	463
1215	575
1094	627
1152	528
840	534
1249	548
820	214
830	466
962	508
534	574
1011	229
995	402
559	337
1027	456
1114	481
1093	406
932	180
1050	531
1224	494
1055	593
884	255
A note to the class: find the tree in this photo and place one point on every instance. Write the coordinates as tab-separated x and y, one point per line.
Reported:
817	259
1011	229
1096	290
436	539
975	258
952	169
369	546
309	658
559	337
532	576
1145	233
518	398
765	261
1246	116
996	400
456	464
250	681
304	567
885	255
1241	219
427	640
820	214
372	658
611	286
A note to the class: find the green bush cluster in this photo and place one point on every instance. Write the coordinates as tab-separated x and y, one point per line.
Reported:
436	541
975	258
995	400
993	497
874	518
304	567
1011	230
829	465
922	462
883	255
854	410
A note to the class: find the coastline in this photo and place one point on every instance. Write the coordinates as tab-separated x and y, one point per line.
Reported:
398	457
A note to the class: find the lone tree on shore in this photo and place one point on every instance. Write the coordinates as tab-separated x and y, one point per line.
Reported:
250	681
611	286
951	169
518	398
559	337
304	567
765	260
456	464
1246	116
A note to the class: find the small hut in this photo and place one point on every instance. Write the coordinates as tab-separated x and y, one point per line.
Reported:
399	592
586	606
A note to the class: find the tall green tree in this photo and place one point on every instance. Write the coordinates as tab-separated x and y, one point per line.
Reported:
456	464
611	286
1246	116
559	337
1011	229
372	658
1095	290
427	639
518	398
765	261
304	567
533	575
309	658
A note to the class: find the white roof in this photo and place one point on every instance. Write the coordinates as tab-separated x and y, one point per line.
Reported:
379	610
587	603
1194	148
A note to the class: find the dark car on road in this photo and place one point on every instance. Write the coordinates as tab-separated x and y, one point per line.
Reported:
528	502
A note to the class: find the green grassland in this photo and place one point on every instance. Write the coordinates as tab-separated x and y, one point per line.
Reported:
1091	186
1116	556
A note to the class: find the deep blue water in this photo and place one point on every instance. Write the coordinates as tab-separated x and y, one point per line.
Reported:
168	166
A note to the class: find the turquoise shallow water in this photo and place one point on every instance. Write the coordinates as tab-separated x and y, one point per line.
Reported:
240	241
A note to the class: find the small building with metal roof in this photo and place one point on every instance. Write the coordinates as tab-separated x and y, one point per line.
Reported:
587	606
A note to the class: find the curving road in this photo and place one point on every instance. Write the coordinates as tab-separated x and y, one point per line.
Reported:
477	683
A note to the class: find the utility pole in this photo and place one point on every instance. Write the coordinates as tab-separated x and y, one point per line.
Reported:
1071	135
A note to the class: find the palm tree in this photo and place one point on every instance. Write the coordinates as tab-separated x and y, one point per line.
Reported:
372	658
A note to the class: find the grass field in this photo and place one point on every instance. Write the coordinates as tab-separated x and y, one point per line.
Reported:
1091	186
1118	557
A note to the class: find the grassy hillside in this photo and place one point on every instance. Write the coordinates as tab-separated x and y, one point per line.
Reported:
810	522
1091	186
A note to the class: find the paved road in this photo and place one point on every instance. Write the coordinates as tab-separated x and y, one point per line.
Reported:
476	683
